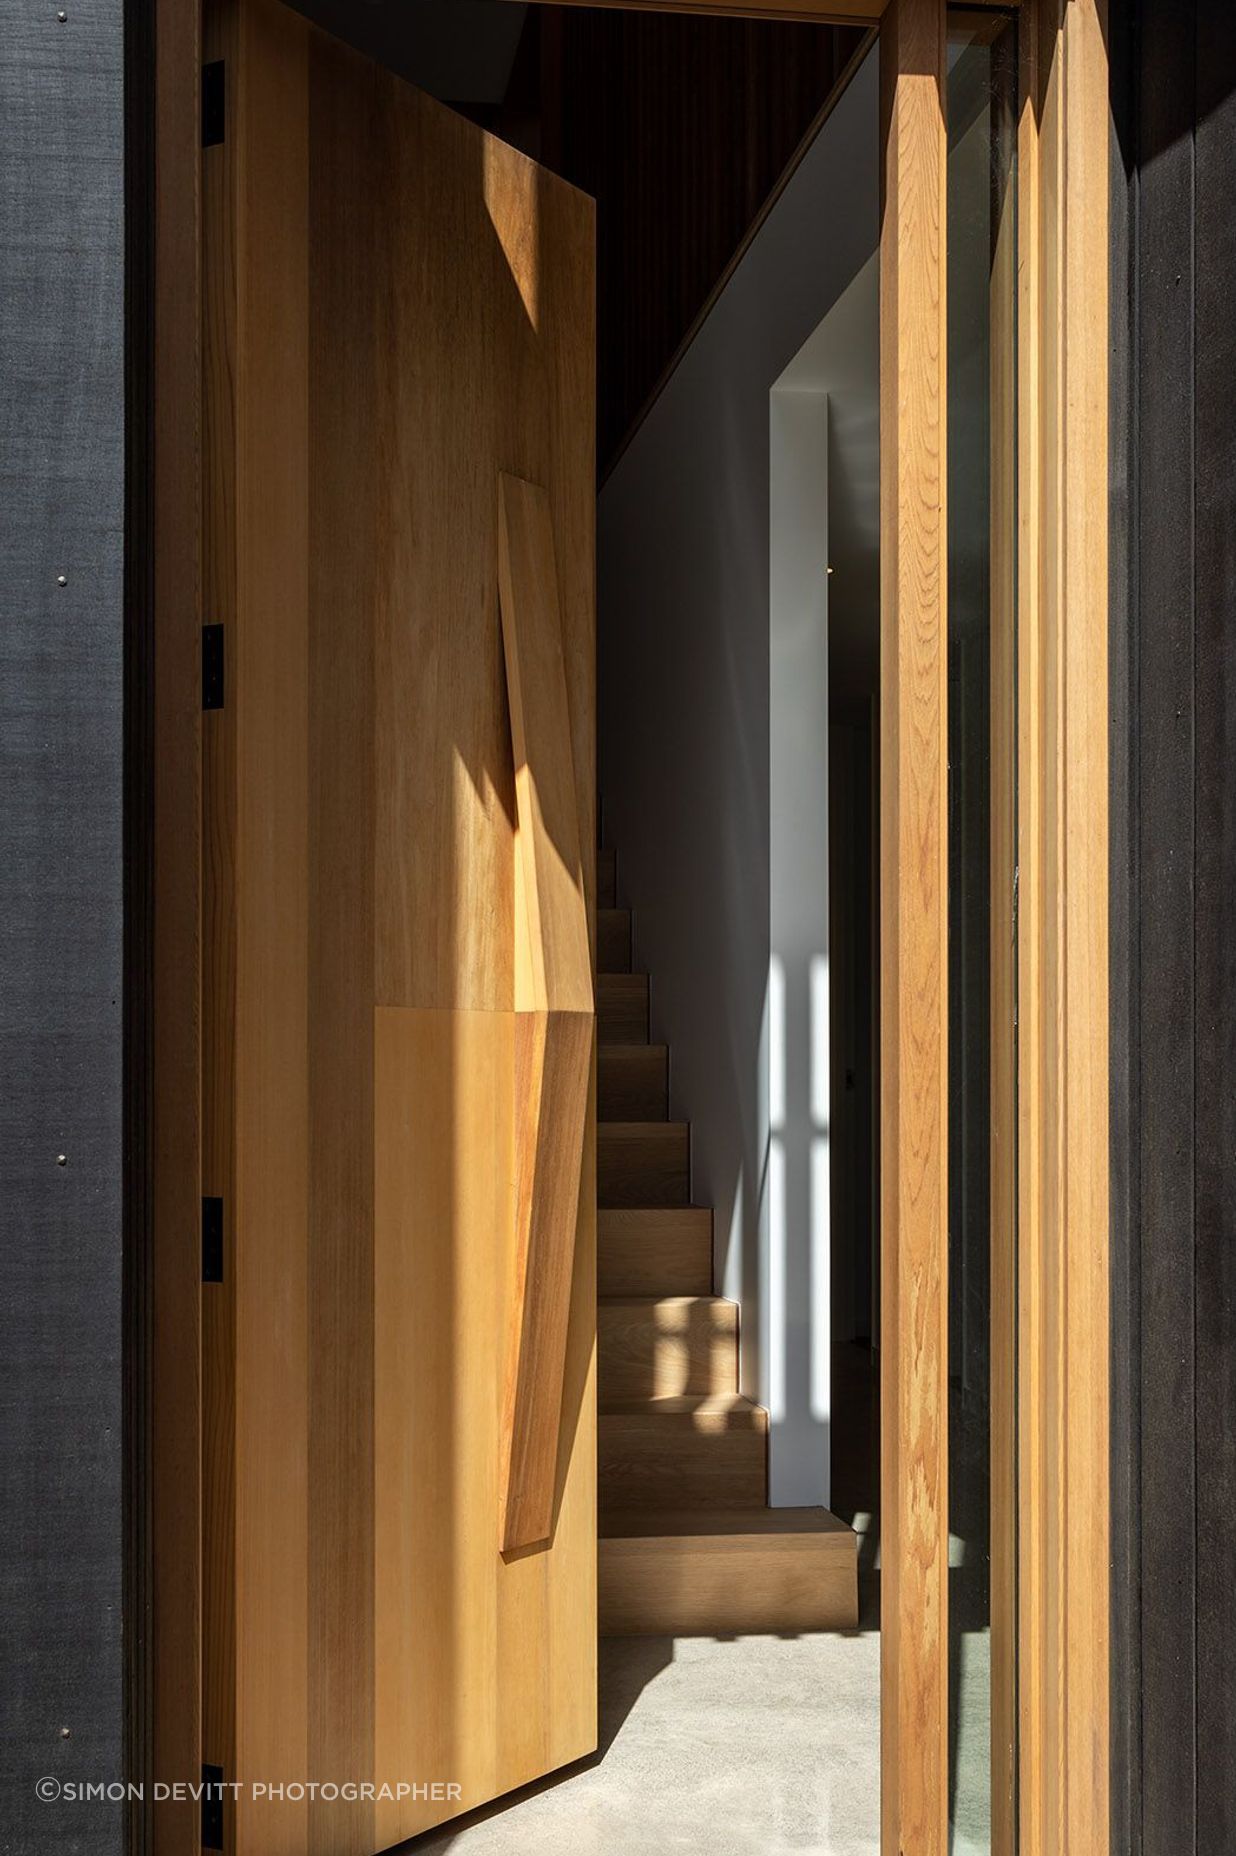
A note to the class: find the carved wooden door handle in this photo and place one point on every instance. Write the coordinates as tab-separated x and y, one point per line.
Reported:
554	1010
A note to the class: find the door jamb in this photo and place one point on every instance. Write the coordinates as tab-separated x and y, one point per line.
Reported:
913	933
174	1467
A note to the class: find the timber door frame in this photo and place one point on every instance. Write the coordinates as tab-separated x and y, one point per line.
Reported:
913	933
1058	1607
1062	1517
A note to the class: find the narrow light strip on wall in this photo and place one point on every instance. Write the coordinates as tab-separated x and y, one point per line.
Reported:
774	1352
820	1045
776	1044
821	1365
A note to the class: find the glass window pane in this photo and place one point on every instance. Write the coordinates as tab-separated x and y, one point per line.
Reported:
981	532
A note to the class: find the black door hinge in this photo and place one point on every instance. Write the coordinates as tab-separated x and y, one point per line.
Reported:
212	1240
212	1807
213	105
212	666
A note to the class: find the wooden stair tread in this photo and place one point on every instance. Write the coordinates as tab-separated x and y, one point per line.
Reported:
639	1130
708	1412
637	1218
752	1523
653	1300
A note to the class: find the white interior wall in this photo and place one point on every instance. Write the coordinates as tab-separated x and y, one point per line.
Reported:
684	706
794	1232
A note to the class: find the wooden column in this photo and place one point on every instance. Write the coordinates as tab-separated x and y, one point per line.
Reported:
914	935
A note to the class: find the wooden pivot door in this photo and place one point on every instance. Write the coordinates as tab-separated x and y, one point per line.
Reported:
399	1600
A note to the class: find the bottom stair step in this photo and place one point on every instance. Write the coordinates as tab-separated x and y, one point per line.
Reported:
719	1572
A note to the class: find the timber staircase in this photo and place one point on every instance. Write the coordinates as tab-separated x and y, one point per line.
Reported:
687	1542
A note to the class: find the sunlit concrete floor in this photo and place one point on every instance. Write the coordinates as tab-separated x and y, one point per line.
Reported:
747	1746
754	1746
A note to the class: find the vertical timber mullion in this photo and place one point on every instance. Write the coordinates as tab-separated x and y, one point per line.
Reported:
914	935
1084	853
1064	1357
1003	1017
1031	496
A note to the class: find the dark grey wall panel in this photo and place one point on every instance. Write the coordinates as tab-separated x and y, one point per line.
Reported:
61	928
1164	388
1174	1004
1215	923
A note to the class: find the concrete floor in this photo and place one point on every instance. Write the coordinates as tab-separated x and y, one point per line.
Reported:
759	1746
750	1746
970	1697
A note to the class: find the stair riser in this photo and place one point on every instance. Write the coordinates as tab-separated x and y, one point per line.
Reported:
607	879
722	1586
665	1252
664	1463
622	1008
613	941
648	1168
670	1349
633	1083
